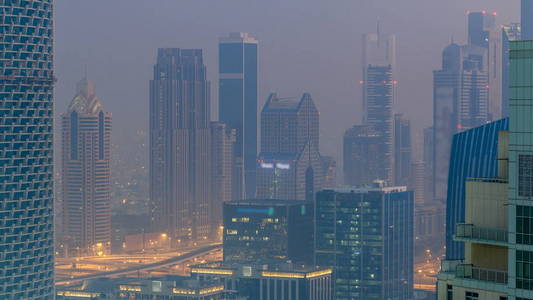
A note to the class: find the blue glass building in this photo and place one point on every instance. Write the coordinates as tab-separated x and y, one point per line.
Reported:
238	106
527	19
26	163
474	155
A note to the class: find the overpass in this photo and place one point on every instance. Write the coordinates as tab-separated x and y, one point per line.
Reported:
147	267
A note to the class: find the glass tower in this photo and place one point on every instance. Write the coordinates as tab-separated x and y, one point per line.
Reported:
527	19
366	236
238	105
474	154
26	163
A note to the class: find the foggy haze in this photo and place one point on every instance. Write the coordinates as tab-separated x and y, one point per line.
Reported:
305	46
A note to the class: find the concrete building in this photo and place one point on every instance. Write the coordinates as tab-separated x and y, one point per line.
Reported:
26	151
86	173
266	229
289	165
180	152
270	280
238	105
366	236
497	228
511	32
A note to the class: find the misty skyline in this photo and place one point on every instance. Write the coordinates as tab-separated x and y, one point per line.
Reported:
304	46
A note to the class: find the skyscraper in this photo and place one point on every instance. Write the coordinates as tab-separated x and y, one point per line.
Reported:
180	168
363	162
379	63
460	102
26	161
474	154
86	188
223	140
238	105
480	25
527	19
402	151
366	236
429	144
289	165
510	33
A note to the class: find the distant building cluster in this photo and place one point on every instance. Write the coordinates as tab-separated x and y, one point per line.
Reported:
262	187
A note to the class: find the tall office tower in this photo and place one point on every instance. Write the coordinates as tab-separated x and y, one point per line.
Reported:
26	159
180	169
329	167
289	165
510	33
460	102
402	151
223	140
498	211
366	236
266	229
480	25
429	144
363	161
238	105
379	85
86	189
527	19
418	172
474	154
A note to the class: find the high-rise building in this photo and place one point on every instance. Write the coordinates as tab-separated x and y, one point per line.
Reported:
429	143
289	165
223	140
510	33
480	25
26	154
402	151
366	236
497	227
266	229
86	174
474	154
379	85
363	162
527	19
460	102
180	169
238	105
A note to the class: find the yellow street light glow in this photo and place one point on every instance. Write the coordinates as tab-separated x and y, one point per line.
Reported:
282	275
319	273
211	290
129	288
212	271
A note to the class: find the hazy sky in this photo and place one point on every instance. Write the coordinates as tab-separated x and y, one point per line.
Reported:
305	46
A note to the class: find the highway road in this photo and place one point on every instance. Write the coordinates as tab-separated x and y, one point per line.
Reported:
146	267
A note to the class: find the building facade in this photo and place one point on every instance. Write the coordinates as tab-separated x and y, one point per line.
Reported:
526	19
86	173
474	155
223	140
289	165
270	281
402	152
379	94
26	151
363	162
497	229
266	229
366	236
238	105
460	102
511	32
180	168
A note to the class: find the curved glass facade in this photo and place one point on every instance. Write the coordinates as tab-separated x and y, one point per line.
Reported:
26	166
474	154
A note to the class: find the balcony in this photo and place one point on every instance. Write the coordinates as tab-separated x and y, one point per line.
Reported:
475	273
471	233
